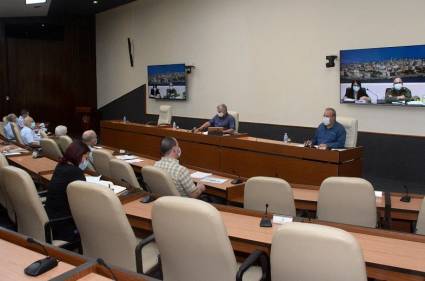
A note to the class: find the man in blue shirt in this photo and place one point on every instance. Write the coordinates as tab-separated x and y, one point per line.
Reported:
8	129
221	119
330	133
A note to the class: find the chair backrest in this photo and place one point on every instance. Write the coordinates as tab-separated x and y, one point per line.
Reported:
121	170
275	192
103	226
63	142
347	200
164	115
2	125
178	220
30	213
3	195
43	134
325	253
351	128
159	182
50	149
420	225
236	117
4	119
17	133
101	159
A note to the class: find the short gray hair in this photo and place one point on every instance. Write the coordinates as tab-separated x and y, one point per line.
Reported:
222	106
11	117
61	130
331	110
167	144
88	136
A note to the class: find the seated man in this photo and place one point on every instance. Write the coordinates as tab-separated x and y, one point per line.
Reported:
169	162
221	119
8	129
330	133
397	92
89	137
24	114
27	133
61	130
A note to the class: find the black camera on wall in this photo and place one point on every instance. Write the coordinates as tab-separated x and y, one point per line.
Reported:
331	61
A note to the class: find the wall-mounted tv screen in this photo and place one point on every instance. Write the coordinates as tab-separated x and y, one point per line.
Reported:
390	76
167	82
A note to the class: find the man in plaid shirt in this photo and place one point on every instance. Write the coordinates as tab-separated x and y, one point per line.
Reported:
180	175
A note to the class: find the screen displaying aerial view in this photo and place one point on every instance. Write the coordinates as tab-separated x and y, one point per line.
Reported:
167	82
391	76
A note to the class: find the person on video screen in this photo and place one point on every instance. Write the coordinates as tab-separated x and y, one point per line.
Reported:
398	92
356	92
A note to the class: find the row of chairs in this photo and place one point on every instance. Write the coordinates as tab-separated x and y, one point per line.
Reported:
54	148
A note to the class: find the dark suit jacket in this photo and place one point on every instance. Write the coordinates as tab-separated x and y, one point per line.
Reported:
349	93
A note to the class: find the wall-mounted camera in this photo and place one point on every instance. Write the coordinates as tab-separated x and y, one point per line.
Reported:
331	61
188	68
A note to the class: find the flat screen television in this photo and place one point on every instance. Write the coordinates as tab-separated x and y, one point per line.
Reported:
380	71
167	82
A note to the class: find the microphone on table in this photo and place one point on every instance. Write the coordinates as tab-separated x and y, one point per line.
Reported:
105	265
406	197
265	220
148	197
43	265
238	180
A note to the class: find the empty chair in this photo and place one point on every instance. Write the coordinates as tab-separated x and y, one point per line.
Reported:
178	222
104	228
164	115
31	217
122	171
420	225
50	149
63	142
275	192
159	182
236	117
101	159
347	200
305	252
17	133
351	127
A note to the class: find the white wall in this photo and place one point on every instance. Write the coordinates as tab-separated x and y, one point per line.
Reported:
265	59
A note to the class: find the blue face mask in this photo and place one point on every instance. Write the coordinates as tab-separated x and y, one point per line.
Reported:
33	125
83	165
398	86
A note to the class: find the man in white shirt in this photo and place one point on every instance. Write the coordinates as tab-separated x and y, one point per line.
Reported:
89	137
27	133
24	114
8	129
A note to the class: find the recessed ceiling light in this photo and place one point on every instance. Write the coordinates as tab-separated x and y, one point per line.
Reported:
95	2
29	2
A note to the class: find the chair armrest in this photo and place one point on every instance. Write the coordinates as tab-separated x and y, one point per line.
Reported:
48	226
138	251
253	258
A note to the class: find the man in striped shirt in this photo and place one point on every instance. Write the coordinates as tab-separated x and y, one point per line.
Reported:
180	175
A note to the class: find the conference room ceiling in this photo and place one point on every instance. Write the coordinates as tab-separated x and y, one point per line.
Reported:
56	8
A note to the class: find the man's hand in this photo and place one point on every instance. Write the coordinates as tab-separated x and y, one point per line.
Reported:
401	97
201	187
323	146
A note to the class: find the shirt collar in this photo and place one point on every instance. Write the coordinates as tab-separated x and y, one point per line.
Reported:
169	159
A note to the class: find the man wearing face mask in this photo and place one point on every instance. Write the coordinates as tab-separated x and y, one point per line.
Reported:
27	133
180	175
222	119
330	133
398	92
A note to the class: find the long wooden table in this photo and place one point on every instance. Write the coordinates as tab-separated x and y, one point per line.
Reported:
238	155
388	255
18	253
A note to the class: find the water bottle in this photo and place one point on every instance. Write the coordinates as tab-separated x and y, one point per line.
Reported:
124	119
285	138
174	125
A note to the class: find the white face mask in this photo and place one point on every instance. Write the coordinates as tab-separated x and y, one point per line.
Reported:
220	114
83	165
356	88
398	86
179	152
326	121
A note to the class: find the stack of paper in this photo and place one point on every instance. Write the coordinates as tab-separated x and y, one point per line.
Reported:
378	193
200	175
115	188
126	157
134	160
213	180
278	219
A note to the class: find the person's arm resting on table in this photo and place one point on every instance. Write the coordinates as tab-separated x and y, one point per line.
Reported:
232	126
191	189
340	141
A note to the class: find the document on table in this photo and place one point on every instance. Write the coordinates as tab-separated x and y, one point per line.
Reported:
214	180
11	153
200	175
378	193
93	179
278	219
134	160
127	157
115	188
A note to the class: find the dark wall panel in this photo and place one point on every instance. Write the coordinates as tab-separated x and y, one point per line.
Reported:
51	77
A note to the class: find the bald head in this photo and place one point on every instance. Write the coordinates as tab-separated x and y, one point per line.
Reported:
89	137
28	121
